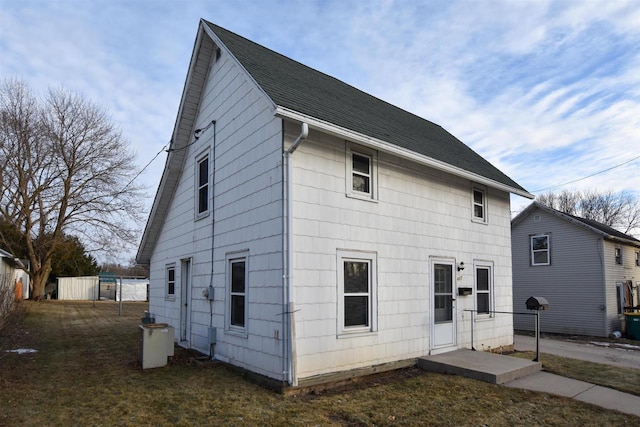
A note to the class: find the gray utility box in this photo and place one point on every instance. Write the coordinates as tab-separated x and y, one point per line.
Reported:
156	344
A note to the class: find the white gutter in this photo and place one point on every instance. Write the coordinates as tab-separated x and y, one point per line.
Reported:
289	309
397	151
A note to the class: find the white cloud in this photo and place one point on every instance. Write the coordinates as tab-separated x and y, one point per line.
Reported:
549	91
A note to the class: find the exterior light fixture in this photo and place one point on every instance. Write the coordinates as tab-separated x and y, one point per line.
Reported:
461	266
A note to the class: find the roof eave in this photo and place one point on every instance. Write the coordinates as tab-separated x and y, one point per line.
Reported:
175	160
387	147
572	220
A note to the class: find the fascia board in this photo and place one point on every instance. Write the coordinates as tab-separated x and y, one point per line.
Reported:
395	150
173	163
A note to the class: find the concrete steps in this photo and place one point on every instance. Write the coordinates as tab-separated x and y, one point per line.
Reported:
480	365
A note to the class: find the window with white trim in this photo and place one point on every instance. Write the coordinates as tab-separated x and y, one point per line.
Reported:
618	256
202	186
637	259
479	202
170	277
361	172
237	285
484	289
540	250
357	311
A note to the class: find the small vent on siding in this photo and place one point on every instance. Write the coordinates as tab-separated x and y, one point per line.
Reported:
536	218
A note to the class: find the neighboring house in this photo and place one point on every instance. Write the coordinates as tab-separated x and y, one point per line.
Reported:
14	281
303	228
587	271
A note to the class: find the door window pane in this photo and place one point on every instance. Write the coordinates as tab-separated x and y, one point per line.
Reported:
443	293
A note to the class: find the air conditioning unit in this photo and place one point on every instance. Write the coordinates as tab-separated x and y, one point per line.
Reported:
156	344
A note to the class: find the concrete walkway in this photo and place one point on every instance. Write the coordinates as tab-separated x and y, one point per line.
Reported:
580	390
524	374
598	352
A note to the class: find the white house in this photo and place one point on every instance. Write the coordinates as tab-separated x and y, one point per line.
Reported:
14	281
589	272
303	228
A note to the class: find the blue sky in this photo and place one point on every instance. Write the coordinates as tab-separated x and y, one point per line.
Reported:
548	91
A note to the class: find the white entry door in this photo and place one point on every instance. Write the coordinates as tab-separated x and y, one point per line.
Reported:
185	295
443	304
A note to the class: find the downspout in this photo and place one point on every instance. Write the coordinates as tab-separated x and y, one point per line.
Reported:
288	306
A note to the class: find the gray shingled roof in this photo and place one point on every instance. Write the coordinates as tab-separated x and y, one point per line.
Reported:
297	87
605	228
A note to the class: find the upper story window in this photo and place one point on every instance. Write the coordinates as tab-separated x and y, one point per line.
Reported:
171	281
637	259
540	250
479	201
202	197
356	292
618	255
361	172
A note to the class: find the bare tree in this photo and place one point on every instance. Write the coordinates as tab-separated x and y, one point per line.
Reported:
66	170
619	210
565	201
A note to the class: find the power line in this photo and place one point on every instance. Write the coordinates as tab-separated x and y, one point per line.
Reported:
164	148
588	176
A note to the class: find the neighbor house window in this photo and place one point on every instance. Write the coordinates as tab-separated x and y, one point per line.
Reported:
479	198
356	292
237	284
203	185
618	254
540	250
484	289
171	281
637	259
361	172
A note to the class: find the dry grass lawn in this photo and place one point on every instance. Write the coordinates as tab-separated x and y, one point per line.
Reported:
86	373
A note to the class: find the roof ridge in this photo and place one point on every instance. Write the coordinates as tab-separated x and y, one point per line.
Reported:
300	88
287	58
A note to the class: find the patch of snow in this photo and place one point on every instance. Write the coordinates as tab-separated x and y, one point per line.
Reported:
22	351
600	344
620	346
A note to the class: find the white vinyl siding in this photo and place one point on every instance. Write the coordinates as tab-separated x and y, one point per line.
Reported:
248	215
419	213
